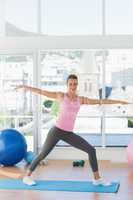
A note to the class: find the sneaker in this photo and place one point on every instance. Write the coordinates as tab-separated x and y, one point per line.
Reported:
28	181
100	181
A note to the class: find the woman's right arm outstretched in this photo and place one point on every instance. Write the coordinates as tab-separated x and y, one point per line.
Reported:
50	94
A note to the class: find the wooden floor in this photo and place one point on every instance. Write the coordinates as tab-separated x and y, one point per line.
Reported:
63	170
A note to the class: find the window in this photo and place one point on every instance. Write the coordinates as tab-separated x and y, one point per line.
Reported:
88	122
119	17
71	17
119	78
21	17
16	107
2	18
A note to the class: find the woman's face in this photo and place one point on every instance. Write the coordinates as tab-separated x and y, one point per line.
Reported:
72	85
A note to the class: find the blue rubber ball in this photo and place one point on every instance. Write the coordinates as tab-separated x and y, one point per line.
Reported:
30	156
13	147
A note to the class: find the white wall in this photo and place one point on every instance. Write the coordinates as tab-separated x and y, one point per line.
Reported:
66	42
117	154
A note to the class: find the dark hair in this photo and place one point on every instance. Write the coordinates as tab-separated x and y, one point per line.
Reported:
72	76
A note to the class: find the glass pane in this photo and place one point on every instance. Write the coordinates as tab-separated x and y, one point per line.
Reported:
56	65
2	18
16	110
119	79
79	17
21	17
119	17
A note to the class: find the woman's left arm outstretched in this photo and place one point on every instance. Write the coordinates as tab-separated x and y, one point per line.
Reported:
86	100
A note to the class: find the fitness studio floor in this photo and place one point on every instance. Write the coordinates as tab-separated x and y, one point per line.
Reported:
63	170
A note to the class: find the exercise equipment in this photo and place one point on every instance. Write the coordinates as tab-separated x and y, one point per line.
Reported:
29	157
52	185
129	152
78	163
108	91
13	147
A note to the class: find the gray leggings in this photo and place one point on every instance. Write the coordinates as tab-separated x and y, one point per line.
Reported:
55	134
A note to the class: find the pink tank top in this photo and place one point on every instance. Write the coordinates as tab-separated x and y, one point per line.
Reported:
67	115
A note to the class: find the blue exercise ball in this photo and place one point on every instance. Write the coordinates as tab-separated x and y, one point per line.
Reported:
29	157
13	147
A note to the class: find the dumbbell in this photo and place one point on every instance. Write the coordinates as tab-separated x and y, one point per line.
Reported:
78	163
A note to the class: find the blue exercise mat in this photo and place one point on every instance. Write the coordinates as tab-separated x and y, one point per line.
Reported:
52	185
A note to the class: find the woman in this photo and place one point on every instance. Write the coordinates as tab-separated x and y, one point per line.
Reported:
70	104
